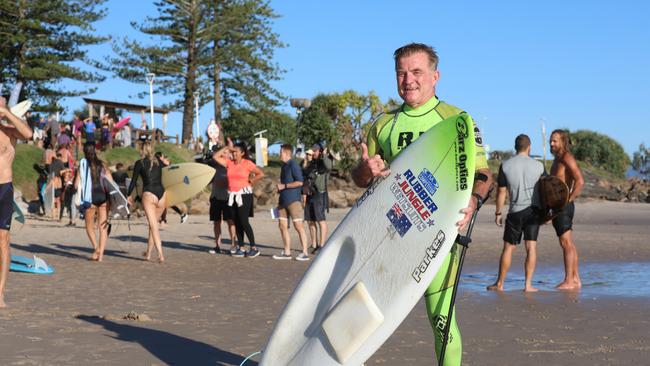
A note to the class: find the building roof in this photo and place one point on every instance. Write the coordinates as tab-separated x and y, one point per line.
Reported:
126	106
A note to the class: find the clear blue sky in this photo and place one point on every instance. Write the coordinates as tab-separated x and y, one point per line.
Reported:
577	64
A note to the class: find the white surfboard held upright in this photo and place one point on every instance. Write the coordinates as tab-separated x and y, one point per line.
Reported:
380	259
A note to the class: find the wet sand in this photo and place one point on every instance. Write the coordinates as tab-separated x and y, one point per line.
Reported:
214	310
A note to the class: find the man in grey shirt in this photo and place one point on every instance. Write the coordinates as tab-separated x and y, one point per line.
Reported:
518	177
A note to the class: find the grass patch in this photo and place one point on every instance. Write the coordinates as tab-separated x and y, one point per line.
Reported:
128	155
24	176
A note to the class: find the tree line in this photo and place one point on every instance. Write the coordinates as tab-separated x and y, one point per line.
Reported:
222	49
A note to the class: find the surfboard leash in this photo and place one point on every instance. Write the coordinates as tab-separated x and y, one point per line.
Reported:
249	357
463	241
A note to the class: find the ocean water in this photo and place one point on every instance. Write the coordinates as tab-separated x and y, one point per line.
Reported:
620	279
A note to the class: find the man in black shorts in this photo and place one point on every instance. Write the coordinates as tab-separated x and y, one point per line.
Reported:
518	177
317	173
219	209
565	167
12	128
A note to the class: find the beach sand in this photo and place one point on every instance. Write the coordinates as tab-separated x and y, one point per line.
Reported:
202	309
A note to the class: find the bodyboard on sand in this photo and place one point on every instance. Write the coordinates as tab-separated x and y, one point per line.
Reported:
380	259
185	180
29	265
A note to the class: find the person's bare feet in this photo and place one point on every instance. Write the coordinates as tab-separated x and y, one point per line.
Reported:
530	289
161	260
495	287
567	286
2	302
95	256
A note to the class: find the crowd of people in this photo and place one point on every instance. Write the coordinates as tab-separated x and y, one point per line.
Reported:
77	185
105	131
302	197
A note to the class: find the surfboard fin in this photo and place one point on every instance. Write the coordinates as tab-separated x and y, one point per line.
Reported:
40	264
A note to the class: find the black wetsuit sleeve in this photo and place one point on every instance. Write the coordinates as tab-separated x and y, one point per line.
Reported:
501	180
136	174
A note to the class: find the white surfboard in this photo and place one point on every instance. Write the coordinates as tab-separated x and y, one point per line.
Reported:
380	259
21	108
119	206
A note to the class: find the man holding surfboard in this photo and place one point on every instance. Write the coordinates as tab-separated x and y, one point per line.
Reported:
9	135
566	169
417	75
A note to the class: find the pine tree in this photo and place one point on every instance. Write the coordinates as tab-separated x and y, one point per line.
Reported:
218	48
180	31
241	54
40	43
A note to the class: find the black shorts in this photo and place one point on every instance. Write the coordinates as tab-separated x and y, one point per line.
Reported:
219	210
6	205
564	221
524	222
315	207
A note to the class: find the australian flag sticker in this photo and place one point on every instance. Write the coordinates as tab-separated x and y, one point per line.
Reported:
399	219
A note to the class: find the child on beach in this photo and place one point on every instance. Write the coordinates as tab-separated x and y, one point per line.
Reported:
67	194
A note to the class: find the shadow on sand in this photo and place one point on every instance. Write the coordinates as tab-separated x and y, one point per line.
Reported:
169	348
67	251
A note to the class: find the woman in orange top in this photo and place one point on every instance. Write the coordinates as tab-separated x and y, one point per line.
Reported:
240	194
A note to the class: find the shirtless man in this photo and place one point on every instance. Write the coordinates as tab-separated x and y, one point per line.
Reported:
14	129
566	168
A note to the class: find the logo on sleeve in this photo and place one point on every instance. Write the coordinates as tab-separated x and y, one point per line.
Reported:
477	136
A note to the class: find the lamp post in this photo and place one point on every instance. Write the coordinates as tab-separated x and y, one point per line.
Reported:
150	77
196	108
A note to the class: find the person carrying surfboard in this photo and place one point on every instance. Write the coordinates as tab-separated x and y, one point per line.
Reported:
566	168
14	130
417	75
154	197
518	179
94	198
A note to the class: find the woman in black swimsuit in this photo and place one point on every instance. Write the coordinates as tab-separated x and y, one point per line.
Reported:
93	169
154	198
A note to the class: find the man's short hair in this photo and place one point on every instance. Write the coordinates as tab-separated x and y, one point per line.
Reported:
287	147
412	48
522	142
